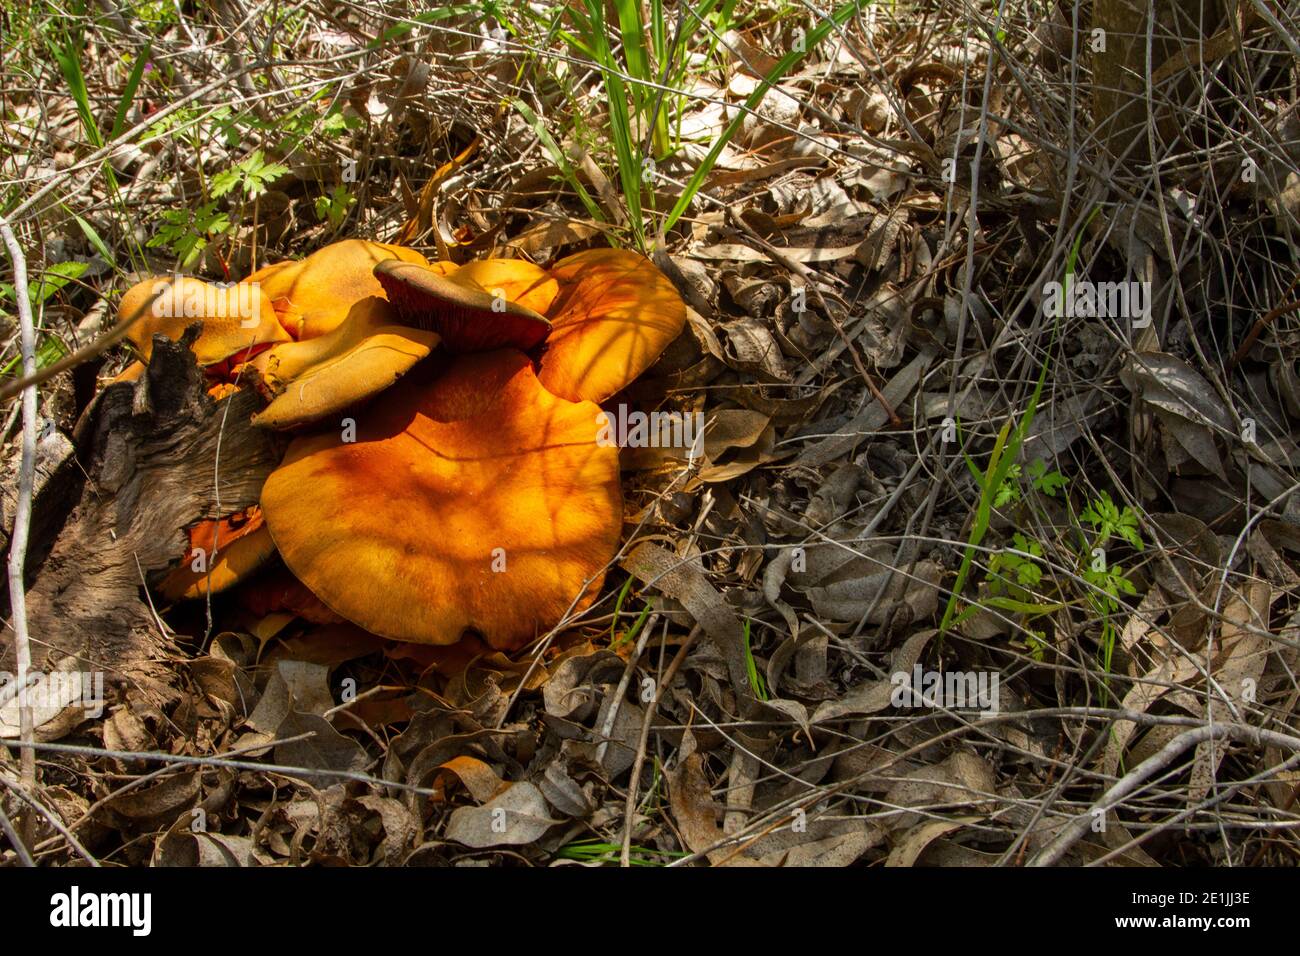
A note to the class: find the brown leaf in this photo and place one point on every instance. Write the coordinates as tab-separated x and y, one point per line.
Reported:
184	848
693	807
871	697
684	582
482	782
962	779
842	849
326	749
516	816
914	842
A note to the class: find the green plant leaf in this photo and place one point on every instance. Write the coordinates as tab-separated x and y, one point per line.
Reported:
55	278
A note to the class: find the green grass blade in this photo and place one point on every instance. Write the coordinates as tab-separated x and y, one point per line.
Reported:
560	160
755	678
620	120
94	238
1005	452
836	19
69	59
128	92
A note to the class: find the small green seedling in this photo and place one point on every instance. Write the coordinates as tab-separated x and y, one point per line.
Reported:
334	207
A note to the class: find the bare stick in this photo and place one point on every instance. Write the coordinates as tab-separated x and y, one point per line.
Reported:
23	520
20	847
607	727
1132	780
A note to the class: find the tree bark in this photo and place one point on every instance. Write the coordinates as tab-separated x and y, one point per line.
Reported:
148	456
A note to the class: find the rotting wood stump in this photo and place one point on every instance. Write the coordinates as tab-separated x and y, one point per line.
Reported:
153	457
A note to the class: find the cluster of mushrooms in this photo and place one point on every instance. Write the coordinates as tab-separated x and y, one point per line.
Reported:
445	475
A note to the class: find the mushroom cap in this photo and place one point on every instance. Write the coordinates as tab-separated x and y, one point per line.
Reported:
236	319
364	355
471	316
477	502
313	296
615	315
516	280
243	544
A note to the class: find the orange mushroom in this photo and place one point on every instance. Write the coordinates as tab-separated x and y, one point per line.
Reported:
478	502
615	315
222	553
605	315
316	377
474	498
313	296
469	315
237	320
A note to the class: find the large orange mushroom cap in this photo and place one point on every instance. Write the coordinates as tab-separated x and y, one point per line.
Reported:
364	355
615	315
313	296
479	502
237	319
469	315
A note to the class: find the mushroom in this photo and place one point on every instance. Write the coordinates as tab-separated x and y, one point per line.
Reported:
605	315
316	377
615	315
277	591
477	502
475	497
313	296
478	307
222	553
237	320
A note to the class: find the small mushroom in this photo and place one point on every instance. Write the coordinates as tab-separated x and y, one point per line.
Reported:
237	320
478	502
477	307
313	296
316	377
222	553
615	315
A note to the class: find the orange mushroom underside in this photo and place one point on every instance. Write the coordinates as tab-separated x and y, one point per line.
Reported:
478	307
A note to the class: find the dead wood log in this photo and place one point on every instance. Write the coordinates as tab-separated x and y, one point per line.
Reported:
154	456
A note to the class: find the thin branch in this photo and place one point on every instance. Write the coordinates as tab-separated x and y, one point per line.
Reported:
23	518
629	816
1131	781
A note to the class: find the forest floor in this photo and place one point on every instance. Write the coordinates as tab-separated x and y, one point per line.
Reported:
1000	402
